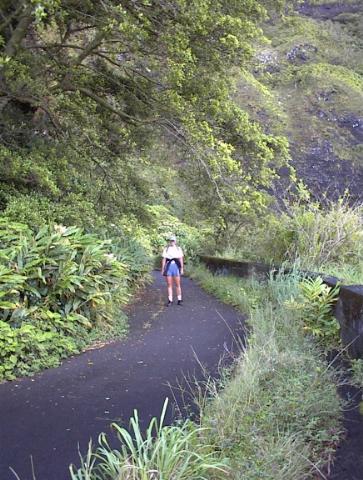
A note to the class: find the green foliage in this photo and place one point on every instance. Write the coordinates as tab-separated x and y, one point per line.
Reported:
165	452
278	416
60	268
348	274
58	285
91	94
36	209
313	234
31	348
163	224
357	372
245	294
316	302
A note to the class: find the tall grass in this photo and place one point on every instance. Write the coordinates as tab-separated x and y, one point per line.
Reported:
323	238
176	452
278	418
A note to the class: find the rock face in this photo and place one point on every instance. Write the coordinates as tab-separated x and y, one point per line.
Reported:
329	11
325	173
314	69
354	124
301	53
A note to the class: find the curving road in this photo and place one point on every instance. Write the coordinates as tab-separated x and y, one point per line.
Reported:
45	417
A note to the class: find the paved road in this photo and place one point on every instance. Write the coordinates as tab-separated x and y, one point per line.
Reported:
348	463
48	415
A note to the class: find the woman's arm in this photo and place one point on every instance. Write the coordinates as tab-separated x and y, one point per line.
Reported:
163	264
181	259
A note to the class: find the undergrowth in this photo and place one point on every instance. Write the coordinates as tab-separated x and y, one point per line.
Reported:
357	372
279	415
60	289
321	236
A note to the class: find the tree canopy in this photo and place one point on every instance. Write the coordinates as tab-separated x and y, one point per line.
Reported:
91	92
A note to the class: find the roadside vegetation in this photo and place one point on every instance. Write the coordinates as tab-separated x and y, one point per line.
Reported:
118	127
322	236
177	452
61	289
276	414
357	374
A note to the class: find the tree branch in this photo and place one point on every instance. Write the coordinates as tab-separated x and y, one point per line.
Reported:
180	136
96	42
103	103
19	33
10	18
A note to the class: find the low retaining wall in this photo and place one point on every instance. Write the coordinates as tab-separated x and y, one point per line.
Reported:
348	309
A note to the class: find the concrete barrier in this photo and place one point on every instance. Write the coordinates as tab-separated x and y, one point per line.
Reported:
348	310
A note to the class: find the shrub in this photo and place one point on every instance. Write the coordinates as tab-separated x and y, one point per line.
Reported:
315	301
130	243
35	210
357	373
56	286
318	236
163	224
59	269
30	348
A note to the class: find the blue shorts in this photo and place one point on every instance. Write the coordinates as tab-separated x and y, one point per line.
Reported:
173	270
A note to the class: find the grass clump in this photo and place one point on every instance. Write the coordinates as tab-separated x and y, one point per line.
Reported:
244	294
279	415
177	452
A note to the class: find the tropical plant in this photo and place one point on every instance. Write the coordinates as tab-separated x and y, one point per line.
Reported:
315	302
30	348
59	269
57	285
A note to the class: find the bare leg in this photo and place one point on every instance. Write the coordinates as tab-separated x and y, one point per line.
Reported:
178	287
169	282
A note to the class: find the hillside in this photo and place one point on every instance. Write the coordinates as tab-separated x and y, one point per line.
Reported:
306	83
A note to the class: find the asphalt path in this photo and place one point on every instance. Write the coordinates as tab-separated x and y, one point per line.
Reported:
50	416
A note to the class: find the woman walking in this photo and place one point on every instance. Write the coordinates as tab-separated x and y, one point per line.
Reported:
172	268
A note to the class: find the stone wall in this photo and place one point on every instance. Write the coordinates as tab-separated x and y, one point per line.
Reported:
348	310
